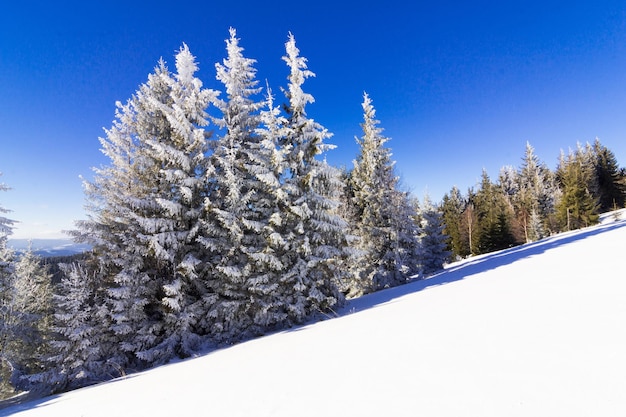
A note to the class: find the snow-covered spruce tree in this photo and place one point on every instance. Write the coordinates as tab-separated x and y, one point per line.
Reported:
270	308
433	241
403	257
75	359
145	210
536	195
31	300
311	231
379	213
178	149
238	209
508	179
119	260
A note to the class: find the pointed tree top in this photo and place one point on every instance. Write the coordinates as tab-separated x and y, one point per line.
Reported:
186	65
298	99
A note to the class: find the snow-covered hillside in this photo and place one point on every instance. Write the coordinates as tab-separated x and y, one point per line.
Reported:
48	247
536	330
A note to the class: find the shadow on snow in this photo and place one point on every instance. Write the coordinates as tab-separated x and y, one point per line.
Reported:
473	266
455	272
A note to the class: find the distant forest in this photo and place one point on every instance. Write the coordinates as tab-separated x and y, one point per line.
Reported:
530	202
218	219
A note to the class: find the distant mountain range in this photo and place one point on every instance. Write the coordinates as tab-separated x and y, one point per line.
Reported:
49	247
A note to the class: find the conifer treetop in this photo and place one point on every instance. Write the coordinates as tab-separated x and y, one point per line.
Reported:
298	99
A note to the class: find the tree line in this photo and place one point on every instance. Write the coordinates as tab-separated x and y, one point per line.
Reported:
530	202
217	219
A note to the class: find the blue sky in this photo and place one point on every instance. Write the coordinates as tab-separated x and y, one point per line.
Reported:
458	86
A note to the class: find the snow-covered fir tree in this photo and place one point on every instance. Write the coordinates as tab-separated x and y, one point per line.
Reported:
433	241
402	258
381	215
536	195
177	146
269	306
118	257
75	359
145	211
32	305
312	234
508	179
241	201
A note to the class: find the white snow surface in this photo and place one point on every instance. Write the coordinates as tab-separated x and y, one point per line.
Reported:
536	330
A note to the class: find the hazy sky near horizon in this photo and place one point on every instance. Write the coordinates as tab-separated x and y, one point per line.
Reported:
458	86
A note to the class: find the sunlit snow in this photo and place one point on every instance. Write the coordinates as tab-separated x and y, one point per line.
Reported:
536	330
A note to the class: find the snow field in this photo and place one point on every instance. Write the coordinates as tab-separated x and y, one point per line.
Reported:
536	330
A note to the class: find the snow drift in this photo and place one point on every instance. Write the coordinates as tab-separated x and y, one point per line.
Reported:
533	330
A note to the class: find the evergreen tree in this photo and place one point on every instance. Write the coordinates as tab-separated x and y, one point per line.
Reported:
75	359
611	191
310	227
268	306
238	211
119	258
433	241
509	182
528	197
32	300
494	218
509	187
576	175
145	213
381	215
537	196
453	206
177	149
402	258
622	179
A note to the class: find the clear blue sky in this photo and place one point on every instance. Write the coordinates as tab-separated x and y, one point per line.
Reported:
458	86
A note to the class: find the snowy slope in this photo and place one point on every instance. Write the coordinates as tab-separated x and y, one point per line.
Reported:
49	247
537	330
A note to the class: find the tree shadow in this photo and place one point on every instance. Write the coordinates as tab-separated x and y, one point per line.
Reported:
473	266
24	402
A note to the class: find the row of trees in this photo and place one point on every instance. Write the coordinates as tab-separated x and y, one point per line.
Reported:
530	202
219	219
